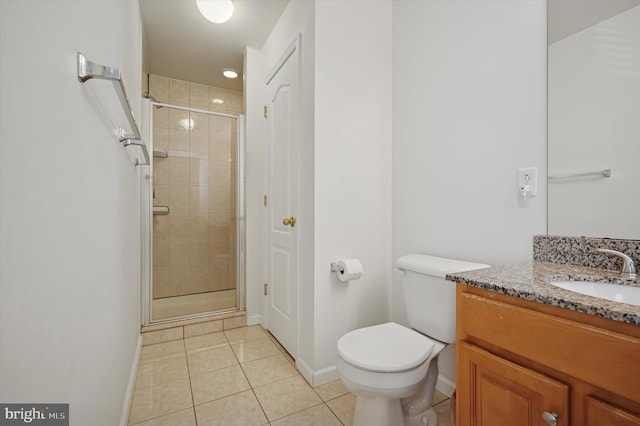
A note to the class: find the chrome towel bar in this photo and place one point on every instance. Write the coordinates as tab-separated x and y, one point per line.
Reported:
88	70
603	173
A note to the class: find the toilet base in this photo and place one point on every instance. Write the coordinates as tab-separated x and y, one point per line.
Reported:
377	411
428	418
374	411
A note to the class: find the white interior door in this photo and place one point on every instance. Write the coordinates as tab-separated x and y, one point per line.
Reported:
282	138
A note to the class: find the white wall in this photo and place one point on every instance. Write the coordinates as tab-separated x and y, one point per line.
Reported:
69	208
346	168
469	108
254	190
594	101
299	18
352	168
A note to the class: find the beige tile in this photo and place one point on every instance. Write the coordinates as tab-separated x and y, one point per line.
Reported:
344	407
160	139
200	122
159	88
254	349
438	397
154	353
199	279
162	196
181	418
202	328
160	250
235	103
199	172
161	118
218	384
205	341
443	410
221	95
320	415
241	409
179	200
268	370
199	144
199	95
245	334
156	401
179	92
178	227
331	390
163	371
210	360
179	120
161	281
199	227
179	171
199	199
179	253
161	172
234	322
160	336
286	397
199	253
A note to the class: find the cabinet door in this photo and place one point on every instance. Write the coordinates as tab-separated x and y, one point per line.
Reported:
493	391
600	413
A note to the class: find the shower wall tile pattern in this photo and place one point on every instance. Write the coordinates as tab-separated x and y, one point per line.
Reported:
194	247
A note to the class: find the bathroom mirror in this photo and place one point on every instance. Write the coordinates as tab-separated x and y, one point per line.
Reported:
594	118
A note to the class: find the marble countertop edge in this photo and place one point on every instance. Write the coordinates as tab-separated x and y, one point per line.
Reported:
531	281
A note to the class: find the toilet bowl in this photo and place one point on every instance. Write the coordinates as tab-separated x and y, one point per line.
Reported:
393	369
382	365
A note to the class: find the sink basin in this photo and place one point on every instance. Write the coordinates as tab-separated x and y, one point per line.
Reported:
614	292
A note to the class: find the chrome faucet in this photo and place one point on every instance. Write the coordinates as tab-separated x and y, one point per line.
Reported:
628	267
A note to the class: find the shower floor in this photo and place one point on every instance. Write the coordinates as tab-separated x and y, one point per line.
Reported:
170	307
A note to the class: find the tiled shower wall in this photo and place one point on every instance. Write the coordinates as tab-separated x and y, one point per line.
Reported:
194	247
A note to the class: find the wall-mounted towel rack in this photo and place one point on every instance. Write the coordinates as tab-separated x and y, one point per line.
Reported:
603	173
88	70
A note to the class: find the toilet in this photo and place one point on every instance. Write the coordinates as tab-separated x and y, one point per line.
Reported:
391	369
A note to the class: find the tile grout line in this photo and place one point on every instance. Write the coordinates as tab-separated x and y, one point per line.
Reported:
248	381
193	405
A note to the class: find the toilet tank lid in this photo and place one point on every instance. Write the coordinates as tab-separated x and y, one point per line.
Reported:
435	266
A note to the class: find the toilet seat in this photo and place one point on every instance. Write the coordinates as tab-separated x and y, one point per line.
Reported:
385	348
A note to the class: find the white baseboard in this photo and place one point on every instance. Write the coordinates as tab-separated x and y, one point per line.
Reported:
305	370
319	377
254	319
325	375
445	386
124	417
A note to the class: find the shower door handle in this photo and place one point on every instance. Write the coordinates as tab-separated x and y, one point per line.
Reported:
289	221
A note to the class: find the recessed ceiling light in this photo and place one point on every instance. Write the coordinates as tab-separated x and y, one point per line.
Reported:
230	73
216	11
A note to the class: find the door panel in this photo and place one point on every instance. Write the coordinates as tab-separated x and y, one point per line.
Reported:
282	139
493	391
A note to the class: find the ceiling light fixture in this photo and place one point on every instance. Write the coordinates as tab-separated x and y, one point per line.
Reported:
216	11
230	73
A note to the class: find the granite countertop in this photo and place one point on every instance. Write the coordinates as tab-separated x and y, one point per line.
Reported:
531	281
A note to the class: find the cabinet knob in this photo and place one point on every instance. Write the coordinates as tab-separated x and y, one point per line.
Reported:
550	419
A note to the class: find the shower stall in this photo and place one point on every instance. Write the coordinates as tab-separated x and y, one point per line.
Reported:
192	213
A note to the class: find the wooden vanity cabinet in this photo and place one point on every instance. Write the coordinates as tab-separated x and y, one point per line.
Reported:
517	359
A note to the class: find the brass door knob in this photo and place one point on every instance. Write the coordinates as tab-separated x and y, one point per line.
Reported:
289	221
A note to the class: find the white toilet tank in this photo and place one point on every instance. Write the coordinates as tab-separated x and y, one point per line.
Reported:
430	299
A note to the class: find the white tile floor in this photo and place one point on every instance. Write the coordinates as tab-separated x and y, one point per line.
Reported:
240	376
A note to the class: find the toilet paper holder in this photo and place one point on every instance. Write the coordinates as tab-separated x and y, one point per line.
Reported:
336	268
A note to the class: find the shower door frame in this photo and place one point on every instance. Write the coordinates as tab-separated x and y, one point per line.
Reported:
146	219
